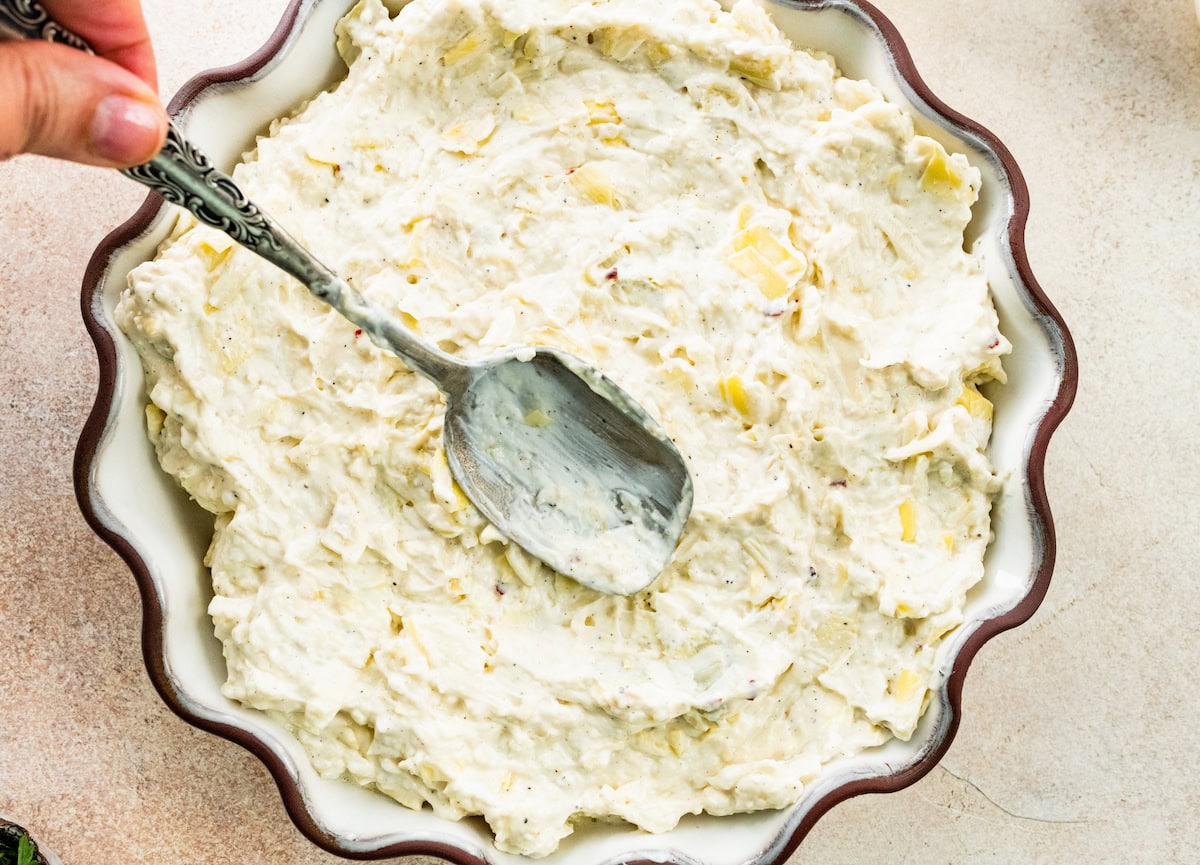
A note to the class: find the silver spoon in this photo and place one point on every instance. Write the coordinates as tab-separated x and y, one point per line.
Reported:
561	460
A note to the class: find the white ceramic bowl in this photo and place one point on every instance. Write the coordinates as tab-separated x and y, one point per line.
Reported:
149	520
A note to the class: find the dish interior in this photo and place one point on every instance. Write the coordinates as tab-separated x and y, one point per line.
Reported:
135	499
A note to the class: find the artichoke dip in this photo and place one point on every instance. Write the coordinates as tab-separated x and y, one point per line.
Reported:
761	252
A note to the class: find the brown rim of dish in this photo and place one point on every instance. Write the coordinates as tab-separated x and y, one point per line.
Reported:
1036	501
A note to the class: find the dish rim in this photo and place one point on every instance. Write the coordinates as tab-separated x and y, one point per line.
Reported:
1037	504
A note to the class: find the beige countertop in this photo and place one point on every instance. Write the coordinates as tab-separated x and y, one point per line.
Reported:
1079	739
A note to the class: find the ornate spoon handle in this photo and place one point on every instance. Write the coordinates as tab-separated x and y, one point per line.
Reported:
182	175
26	19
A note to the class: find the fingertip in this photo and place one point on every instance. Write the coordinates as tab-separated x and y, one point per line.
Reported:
126	130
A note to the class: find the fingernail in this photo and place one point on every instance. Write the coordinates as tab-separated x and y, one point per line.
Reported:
125	130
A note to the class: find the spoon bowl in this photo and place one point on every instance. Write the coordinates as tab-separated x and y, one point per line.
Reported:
577	472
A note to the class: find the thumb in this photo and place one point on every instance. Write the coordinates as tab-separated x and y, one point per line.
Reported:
56	101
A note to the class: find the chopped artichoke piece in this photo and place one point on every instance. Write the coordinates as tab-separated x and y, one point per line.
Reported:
601	112
905	685
753	265
154	420
782	256
758	254
618	43
734	392
908	521
976	404
757	70
467	136
216	252
594	184
445	488
463	49
941	176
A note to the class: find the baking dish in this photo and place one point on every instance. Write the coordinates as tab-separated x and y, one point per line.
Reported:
142	513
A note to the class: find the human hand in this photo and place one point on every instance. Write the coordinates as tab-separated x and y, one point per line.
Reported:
100	110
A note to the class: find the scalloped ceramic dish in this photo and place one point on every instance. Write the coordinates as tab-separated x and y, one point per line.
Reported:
149	520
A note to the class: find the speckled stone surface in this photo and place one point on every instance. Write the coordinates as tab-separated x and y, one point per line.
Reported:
1079	737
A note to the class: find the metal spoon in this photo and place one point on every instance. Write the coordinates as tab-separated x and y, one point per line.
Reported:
561	460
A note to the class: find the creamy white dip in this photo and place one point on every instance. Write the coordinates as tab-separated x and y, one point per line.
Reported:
760	251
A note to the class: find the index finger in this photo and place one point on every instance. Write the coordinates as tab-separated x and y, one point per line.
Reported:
116	29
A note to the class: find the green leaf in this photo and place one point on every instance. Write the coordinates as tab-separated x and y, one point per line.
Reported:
22	855
24	851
